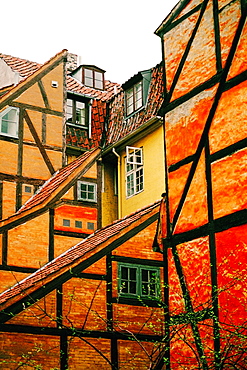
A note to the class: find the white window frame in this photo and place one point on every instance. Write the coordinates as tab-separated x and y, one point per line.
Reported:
134	178
134	155
134	98
87	191
15	122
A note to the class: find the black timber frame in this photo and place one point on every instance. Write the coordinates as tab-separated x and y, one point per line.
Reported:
57	285
214	225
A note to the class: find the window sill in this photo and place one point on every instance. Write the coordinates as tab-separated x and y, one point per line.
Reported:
7	137
131	196
138	301
77	126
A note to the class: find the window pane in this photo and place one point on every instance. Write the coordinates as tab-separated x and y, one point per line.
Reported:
69	110
88	73
124	272
138	156
80	113
132	274
144	275
138	95
88	80
132	287
9	122
90	226
78	224
144	288
98	80
130	185
66	222
129	101
139	180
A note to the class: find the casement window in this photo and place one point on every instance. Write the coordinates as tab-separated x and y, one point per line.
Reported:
134	171
138	281
78	113
134	98
93	78
9	119
87	191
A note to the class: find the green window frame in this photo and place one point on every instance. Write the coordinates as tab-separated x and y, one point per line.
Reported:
138	281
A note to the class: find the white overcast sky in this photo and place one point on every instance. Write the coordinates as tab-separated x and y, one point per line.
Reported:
115	35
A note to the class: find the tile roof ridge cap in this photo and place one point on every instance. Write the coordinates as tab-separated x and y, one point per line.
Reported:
62	169
38	191
151	205
40	66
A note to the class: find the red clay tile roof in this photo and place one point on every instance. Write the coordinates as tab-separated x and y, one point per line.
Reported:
118	126
51	185
23	66
75	254
54	188
78	137
110	89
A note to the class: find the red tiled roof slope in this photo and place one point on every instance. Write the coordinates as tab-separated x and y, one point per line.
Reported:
79	138
118	126
75	253
111	89
23	66
51	185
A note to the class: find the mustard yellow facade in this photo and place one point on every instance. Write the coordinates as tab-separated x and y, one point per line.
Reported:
153	174
116	202
33	151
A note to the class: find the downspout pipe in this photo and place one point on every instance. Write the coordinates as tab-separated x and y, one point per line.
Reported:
118	181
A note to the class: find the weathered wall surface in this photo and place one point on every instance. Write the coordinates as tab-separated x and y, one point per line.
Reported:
205	67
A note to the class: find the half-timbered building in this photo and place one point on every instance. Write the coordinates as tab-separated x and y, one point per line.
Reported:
204	45
165	286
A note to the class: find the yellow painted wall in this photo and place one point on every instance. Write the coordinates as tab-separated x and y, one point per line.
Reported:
35	252
55	95
109	198
8	155
154	174
9	194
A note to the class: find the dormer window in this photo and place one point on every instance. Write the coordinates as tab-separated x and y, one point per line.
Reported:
93	79
78	111
136	92
133	98
90	76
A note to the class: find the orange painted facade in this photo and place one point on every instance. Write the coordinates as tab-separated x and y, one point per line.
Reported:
79	311
205	67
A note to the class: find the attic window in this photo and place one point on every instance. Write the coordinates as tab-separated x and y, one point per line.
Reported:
9	122
93	78
133	98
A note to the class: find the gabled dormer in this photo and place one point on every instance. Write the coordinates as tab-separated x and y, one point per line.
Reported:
136	92
90	76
